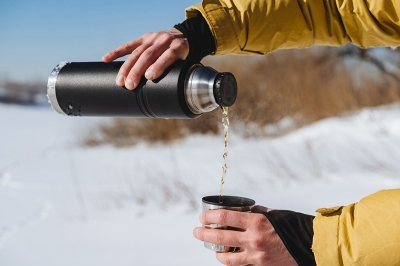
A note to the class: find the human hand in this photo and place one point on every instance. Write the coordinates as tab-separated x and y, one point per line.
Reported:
149	55
255	236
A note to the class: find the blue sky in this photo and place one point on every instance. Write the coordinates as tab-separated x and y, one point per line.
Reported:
37	35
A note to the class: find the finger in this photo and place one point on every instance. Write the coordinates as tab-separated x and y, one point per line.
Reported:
126	69
154	45
144	60
219	237
179	49
122	50
226	217
237	258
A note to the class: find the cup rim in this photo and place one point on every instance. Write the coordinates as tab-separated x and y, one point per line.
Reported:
228	201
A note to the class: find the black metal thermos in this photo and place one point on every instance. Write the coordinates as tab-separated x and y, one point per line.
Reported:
185	90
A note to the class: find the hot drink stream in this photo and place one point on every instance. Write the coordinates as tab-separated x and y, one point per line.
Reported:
225	123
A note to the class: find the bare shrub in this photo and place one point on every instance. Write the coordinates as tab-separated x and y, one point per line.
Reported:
129	131
305	85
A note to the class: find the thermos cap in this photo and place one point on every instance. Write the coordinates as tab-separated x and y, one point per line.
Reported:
225	89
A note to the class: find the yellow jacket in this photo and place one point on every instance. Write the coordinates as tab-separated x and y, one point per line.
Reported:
364	233
263	26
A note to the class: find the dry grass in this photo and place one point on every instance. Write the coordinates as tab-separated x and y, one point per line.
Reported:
129	131
305	85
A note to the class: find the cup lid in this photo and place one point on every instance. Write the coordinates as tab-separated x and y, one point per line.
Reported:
229	201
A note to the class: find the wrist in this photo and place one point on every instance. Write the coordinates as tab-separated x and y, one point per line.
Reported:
201	41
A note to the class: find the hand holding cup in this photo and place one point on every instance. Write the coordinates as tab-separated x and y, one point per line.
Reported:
255	239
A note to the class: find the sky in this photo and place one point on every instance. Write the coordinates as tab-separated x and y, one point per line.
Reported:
35	36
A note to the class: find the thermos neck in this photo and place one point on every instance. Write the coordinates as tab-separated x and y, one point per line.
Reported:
199	89
206	89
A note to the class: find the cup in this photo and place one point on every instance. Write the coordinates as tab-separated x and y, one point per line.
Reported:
233	203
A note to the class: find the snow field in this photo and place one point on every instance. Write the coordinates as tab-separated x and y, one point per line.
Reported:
63	204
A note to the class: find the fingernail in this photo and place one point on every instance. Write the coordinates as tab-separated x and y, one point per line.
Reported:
149	74
196	232
201	217
129	84
120	80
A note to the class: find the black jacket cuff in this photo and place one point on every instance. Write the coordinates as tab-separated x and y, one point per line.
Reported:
296	231
201	41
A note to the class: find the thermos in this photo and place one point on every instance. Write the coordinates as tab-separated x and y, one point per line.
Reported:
185	90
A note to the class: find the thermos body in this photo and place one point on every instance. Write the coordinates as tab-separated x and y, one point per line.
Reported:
185	90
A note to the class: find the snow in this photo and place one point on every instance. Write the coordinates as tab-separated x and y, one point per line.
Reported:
64	204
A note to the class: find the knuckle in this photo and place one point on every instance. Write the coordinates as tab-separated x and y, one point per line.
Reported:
261	258
205	217
123	70
259	222
148	35
149	53
170	54
133	75
257	243
174	51
156	37
223	217
166	38
219	237
114	52
126	45
136	53
178	45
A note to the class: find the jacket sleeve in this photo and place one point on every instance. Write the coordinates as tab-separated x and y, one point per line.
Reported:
262	26
365	233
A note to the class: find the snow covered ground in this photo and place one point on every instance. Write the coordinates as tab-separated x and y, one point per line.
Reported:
62	204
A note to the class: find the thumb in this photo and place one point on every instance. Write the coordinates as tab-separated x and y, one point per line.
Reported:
260	209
